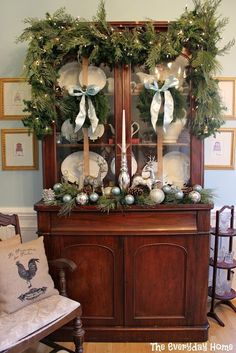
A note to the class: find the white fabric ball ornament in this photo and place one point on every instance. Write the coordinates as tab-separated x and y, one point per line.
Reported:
157	195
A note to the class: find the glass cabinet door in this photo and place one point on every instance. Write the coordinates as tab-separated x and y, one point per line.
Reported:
159	105
77	158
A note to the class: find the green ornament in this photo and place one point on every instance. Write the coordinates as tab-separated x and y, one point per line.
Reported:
179	195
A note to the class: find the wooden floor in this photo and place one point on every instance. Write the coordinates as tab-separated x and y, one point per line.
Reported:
221	339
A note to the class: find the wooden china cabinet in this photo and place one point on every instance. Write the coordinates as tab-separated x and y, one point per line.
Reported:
142	273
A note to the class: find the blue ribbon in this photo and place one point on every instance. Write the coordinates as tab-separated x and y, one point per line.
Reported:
170	81
77	91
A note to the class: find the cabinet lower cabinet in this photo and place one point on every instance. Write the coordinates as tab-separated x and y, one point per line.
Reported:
141	275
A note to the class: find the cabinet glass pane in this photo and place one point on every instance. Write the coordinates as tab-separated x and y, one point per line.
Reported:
164	94
70	144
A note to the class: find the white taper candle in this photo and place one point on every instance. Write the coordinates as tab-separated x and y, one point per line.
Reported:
123	149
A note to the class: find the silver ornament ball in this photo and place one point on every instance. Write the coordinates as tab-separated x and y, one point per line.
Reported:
115	191
166	189
82	198
57	186
66	198
197	187
179	195
93	197
194	196
129	199
157	195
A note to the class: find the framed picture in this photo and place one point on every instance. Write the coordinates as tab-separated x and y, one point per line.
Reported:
19	150
227	93
13	92
220	150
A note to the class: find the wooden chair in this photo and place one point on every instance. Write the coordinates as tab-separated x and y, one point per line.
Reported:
51	318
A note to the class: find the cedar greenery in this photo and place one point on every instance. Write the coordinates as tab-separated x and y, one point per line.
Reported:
60	38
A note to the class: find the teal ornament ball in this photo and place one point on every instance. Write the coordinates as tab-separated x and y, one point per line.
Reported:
82	198
115	191
94	197
194	196
197	187
57	187
179	195
157	195
66	198
129	199
166	189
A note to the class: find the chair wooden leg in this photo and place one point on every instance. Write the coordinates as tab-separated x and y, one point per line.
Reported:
78	335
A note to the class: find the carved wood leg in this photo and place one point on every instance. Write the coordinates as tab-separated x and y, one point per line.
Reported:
78	335
216	317
228	303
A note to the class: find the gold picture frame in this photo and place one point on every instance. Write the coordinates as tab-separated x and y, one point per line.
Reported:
220	150
19	150
13	92
227	93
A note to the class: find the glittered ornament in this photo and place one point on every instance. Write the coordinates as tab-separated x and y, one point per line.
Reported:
115	191
57	187
194	196
166	189
48	195
179	195
129	199
66	198
82	198
157	195
197	187
93	197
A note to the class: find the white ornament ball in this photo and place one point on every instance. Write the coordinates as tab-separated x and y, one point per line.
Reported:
115	191
82	198
129	199
166	189
157	195
107	190
94	197
194	196
57	186
197	187
66	198
179	195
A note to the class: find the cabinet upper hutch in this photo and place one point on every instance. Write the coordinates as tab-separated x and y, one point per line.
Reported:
142	273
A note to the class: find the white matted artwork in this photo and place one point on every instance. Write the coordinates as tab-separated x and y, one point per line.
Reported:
220	150
227	93
13	92
19	150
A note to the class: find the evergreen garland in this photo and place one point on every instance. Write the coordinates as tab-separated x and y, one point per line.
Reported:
60	38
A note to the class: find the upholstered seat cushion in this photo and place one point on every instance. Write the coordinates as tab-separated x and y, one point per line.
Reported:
16	326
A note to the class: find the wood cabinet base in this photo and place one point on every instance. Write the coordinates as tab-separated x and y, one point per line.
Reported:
142	274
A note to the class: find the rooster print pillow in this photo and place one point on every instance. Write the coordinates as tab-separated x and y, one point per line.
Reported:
24	276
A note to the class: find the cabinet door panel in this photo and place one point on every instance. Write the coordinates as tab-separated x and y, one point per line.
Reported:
160	272
97	283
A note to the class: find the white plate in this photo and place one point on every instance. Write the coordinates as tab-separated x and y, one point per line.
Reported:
97	133
72	166
69	75
146	174
133	167
176	168
96	76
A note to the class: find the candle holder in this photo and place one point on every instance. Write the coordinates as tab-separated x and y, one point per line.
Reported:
124	178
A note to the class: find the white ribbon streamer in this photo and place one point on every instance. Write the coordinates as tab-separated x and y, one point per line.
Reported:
171	81
77	91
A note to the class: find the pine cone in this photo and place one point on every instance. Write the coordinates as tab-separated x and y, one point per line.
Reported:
136	191
187	189
87	189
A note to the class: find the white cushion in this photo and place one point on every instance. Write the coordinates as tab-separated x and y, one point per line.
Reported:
16	326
